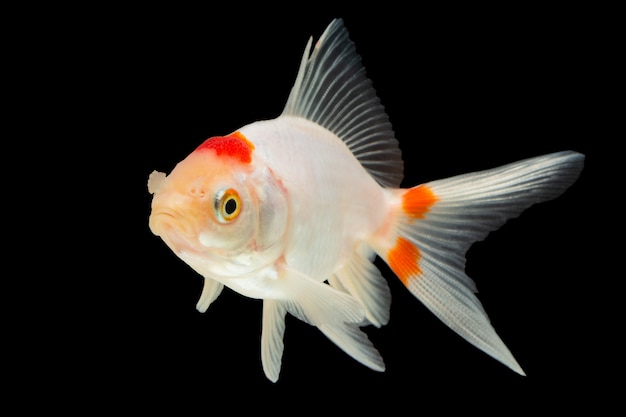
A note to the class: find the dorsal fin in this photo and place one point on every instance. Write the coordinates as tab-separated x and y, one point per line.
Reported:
333	90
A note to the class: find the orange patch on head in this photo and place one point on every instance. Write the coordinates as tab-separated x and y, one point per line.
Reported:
235	145
416	201
404	259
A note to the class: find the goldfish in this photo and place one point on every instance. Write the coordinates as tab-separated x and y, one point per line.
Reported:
294	210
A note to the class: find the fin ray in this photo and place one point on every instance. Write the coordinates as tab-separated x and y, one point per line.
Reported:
316	302
361	279
436	223
336	314
352	340
462	312
333	90
210	291
272	333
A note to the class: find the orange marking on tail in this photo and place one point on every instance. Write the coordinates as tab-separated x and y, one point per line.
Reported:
403	259
416	201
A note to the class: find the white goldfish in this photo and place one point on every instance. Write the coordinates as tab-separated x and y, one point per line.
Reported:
294	210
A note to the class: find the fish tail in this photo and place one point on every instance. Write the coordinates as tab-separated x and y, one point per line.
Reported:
433	225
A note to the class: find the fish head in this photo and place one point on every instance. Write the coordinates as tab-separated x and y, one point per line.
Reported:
223	216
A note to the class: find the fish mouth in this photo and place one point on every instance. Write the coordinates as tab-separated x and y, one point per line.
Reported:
161	220
177	234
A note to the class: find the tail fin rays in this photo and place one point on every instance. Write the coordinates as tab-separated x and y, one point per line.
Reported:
434	224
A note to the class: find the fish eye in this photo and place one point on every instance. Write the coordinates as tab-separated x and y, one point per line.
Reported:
227	205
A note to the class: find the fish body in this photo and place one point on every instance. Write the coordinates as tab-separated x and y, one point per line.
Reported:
330	190
295	209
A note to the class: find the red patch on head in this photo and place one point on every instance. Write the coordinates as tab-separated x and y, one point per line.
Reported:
234	145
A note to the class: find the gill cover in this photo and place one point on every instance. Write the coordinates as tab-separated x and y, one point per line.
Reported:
272	212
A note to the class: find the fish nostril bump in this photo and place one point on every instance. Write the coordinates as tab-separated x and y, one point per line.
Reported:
197	191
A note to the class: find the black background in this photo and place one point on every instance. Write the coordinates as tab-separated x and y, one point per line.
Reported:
464	89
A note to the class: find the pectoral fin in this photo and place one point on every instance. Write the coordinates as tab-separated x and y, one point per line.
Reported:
272	338
210	291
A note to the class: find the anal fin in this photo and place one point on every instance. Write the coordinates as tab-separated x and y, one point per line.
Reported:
361	279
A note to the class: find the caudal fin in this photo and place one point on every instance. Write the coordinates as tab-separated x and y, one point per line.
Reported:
434	225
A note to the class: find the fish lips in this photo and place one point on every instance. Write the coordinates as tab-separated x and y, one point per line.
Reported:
177	233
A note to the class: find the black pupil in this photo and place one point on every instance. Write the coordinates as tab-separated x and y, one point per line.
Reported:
230	206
